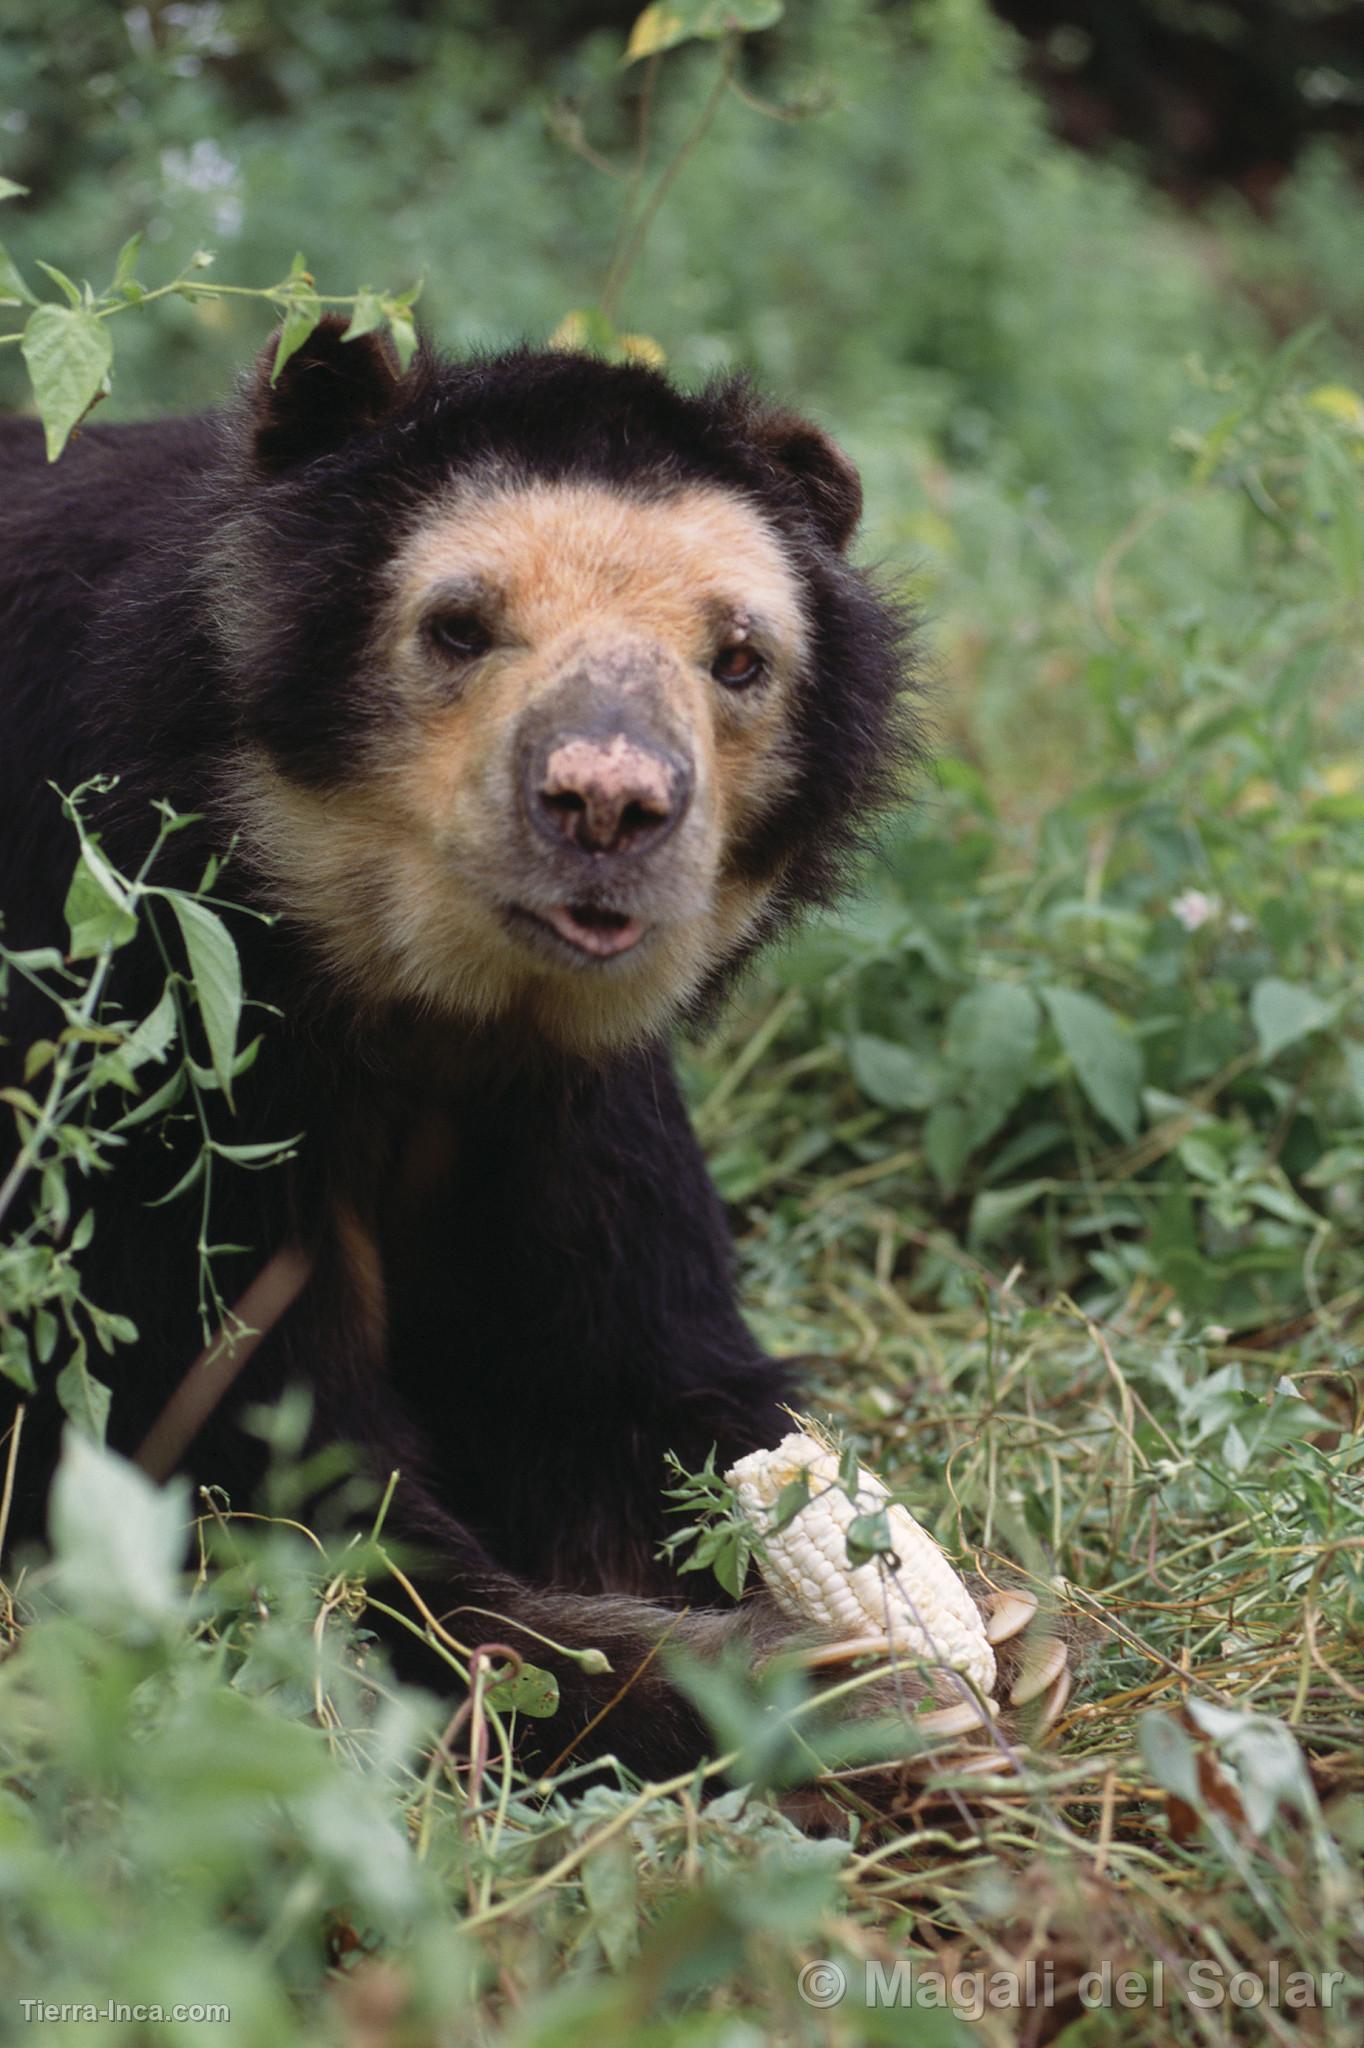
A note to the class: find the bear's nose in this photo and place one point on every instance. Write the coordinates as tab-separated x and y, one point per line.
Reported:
607	795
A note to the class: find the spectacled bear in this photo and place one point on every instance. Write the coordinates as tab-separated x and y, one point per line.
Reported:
533	696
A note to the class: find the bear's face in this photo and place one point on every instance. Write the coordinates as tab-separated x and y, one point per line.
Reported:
559	782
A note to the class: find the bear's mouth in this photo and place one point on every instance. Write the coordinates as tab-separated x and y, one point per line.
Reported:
587	927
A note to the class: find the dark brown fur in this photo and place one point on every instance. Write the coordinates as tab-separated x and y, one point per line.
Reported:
520	1292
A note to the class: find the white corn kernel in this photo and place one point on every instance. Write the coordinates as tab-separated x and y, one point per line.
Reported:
921	1606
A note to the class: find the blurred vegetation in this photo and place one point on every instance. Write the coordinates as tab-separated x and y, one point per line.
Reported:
1200	94
1050	1149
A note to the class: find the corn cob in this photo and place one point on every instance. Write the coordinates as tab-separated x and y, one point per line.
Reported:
918	1606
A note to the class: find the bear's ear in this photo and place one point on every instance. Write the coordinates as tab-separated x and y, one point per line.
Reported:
828	480
327	391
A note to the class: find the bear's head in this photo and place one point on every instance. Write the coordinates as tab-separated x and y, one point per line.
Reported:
556	690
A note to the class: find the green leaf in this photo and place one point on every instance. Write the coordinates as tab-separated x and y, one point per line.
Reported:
868	1537
367	315
947	1144
111	1329
166	1096
747	1710
126	265
300	318
153	1037
1266	1426
532	1691
70	290
84	1398
117	1539
611	1891
991	1037
731	1560
191	1177
1023	1147
891	1075
1283	1012
55	1199
1340	1166
1171	1757
404	331
794	1496
68	353
1283	1203
13	290
98	910
39	1055
670	22
217	977
14	1359
259	1154
9	190
1202	1160
38	959
1354	1068
994	1209
1106	1058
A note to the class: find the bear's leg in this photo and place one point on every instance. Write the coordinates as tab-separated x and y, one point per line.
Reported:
630	1710
561	1315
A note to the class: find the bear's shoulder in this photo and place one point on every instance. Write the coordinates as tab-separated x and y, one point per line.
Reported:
119	497
103	468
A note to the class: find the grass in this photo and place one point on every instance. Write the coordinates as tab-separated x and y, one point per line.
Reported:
1198	1806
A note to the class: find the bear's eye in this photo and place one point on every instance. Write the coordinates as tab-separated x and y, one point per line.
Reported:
460	634
738	667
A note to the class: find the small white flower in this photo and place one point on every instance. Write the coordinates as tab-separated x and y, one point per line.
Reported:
138	22
228	214
201	27
205	167
207	170
1195	908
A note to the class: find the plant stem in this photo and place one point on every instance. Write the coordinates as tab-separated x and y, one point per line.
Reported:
16	1430
643	126
28	1153
189	288
629	256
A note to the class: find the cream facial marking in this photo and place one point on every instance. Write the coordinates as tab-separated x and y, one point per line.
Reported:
593	695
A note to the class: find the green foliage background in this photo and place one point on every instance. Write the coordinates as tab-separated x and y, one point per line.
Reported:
1050	1149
